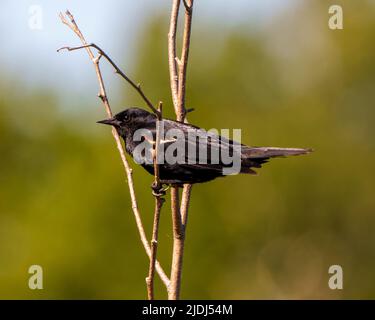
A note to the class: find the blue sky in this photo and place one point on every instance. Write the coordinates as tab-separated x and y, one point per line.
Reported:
32	53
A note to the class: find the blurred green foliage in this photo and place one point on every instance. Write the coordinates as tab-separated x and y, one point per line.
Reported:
64	201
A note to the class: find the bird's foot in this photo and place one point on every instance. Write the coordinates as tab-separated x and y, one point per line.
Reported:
158	190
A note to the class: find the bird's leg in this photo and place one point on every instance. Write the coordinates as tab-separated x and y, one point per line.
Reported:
158	187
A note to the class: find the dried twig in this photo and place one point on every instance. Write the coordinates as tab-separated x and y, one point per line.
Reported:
178	68
172	53
186	193
178	246
188	7
103	96
158	204
183	62
117	70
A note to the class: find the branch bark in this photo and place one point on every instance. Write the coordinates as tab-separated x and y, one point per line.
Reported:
178	246
158	205
103	96
178	70
183	62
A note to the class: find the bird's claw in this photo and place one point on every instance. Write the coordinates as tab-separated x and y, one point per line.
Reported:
158	190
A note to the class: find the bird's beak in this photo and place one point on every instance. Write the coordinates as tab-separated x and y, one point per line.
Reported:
111	122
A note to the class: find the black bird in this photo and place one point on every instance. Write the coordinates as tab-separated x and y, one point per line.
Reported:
130	120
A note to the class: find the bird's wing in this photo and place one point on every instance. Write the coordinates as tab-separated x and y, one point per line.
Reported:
201	147
205	149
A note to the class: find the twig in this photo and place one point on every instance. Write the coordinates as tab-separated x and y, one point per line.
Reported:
156	185
154	246
178	246
158	204
177	69
117	70
103	96
176	214
187	6
184	61
186	193
172	53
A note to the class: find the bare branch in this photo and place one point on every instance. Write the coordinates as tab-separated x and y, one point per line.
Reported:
157	143
179	221
172	53
186	193
188	7
178	78
184	61
137	86
178	246
158	204
103	96
154	246
176	214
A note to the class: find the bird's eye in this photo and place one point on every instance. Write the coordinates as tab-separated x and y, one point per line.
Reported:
126	118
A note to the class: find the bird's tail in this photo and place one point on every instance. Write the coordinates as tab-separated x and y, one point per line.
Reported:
272	152
254	157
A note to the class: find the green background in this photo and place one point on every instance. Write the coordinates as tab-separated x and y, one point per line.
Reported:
64	201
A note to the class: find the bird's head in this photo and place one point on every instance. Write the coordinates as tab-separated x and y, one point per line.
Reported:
130	120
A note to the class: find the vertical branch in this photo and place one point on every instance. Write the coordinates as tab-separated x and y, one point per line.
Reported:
178	246
182	63
172	53
154	247
176	214
158	204
186	193
178	69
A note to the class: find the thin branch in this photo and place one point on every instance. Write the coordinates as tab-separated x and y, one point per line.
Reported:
157	145
184	62
187	6
117	70
176	214
158	204
185	201
178	246
103	95
172	53
154	246
178	69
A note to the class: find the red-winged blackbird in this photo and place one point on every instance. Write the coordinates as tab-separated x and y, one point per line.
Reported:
130	120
